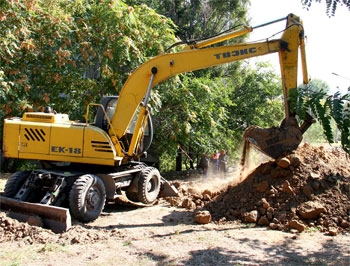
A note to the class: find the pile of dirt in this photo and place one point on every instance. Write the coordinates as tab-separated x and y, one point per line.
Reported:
309	188
13	230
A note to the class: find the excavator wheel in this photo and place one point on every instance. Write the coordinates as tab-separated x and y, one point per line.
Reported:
14	183
275	141
148	185
87	198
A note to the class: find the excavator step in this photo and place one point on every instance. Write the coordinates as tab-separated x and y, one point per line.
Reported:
54	218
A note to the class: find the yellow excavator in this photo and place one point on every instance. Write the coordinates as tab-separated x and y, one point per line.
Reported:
86	165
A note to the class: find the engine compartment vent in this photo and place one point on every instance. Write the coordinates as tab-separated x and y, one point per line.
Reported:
101	146
34	134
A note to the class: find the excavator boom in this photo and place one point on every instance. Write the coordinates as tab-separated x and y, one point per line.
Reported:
275	141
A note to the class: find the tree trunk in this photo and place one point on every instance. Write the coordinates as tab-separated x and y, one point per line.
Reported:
179	160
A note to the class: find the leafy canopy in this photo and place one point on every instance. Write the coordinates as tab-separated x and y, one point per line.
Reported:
325	108
65	54
331	5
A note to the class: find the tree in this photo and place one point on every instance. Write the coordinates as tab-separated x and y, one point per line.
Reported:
65	56
192	114
199	19
317	85
325	108
257	98
331	5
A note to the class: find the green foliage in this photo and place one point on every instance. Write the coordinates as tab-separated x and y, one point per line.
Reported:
38	59
331	5
66	54
257	98
123	38
192	113
200	19
167	162
197	20
324	108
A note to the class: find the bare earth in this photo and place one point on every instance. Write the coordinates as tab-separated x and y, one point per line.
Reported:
169	234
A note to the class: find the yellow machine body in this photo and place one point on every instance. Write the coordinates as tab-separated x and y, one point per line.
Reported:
41	136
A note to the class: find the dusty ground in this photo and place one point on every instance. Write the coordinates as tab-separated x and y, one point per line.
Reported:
293	212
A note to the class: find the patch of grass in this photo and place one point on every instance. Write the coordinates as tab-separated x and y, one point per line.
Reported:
52	247
126	243
311	230
12	257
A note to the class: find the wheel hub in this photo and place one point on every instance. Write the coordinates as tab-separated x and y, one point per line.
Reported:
92	198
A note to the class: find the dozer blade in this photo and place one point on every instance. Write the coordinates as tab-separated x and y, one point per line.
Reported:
275	141
55	218
167	189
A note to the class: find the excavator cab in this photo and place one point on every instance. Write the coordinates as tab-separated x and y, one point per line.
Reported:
105	113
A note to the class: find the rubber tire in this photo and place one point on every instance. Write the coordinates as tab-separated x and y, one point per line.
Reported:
131	193
148	185
87	198
14	183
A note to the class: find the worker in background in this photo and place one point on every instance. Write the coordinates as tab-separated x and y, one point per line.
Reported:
215	161
222	163
204	163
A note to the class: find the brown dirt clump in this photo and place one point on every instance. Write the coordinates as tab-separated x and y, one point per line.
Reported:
13	230
307	189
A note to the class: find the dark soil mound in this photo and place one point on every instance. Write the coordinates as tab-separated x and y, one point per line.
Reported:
307	189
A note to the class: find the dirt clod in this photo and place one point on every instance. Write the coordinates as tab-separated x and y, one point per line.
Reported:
202	217
311	210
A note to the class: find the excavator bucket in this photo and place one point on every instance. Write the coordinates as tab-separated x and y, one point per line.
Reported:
55	218
277	141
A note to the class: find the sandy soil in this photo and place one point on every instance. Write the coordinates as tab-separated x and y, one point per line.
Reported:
164	235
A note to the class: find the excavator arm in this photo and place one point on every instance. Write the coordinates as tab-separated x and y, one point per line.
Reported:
201	55
280	141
